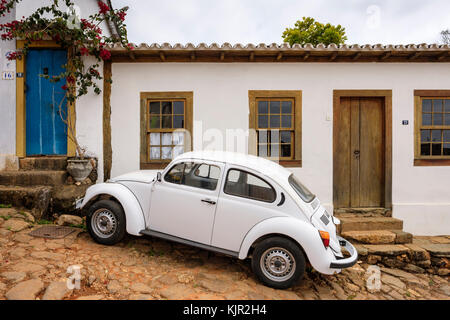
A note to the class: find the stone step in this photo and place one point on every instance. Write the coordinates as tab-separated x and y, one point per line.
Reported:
32	178
43	163
356	223
35	198
378	236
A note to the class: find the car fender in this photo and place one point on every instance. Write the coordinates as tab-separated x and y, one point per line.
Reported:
135	221
305	234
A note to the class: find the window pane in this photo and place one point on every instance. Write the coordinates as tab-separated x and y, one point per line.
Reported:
166	139
274	106
167	122
262	136
233	175
436	149
155	153
201	177
447	135
247	185
437	119
202	171
155	122
166	153
447	119
426	119
263	106
286	107
167	107
285	136
436	135
437	105
426	105
178	122
447	105
262	150
154	107
285	150
286	121
425	149
178	107
425	136
274	150
178	150
175	174
446	149
178	138
263	122
155	139
214	172
274	121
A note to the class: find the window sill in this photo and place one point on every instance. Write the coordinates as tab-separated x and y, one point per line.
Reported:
431	162
153	165
291	163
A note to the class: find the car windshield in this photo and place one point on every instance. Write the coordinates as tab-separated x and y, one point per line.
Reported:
301	190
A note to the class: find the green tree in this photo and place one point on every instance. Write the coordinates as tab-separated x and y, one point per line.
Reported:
308	30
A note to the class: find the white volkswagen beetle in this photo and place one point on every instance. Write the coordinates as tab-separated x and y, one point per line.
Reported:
239	205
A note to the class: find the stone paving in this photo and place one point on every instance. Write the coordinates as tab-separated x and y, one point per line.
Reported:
148	269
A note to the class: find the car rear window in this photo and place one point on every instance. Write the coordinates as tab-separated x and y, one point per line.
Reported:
300	189
244	184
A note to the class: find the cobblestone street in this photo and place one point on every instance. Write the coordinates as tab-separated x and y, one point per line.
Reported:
146	268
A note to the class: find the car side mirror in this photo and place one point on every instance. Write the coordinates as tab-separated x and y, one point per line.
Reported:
158	177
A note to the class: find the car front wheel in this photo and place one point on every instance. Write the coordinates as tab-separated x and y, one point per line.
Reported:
278	262
106	222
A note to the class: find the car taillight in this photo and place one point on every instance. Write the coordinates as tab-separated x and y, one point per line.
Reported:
325	236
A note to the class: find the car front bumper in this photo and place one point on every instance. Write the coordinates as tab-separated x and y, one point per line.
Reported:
345	262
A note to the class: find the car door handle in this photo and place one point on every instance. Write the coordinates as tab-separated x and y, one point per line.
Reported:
208	201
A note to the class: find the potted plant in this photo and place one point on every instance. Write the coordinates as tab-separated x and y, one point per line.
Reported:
81	38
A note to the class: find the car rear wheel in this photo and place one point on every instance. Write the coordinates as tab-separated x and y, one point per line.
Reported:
106	222
278	262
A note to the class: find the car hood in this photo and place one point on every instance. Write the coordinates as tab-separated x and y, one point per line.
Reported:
144	176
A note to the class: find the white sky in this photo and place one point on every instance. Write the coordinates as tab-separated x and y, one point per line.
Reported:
257	21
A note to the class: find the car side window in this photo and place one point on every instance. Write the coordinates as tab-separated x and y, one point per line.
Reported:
244	184
198	175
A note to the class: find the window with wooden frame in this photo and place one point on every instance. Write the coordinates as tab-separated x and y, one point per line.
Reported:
276	118
166	127
432	127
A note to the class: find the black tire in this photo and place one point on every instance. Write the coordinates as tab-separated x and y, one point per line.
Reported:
113	213
279	248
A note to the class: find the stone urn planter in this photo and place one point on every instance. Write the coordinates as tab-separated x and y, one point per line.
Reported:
79	169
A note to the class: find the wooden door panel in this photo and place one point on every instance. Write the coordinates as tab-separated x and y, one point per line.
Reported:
354	146
341	145
358	150
371	164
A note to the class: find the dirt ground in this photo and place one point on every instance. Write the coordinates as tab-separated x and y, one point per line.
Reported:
148	268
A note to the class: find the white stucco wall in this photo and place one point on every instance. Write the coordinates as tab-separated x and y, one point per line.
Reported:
89	125
421	196
7	102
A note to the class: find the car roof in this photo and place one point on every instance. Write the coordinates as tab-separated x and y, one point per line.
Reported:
263	166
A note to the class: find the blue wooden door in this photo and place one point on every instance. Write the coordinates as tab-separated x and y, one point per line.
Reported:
46	133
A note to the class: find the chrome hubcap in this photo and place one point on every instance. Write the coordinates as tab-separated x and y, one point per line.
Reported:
104	223
277	264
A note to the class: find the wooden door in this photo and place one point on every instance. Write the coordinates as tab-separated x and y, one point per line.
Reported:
46	133
359	146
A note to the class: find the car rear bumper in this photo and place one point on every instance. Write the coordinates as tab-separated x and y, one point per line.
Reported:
78	203
346	262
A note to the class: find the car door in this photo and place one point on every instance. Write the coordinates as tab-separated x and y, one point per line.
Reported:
184	202
245	200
